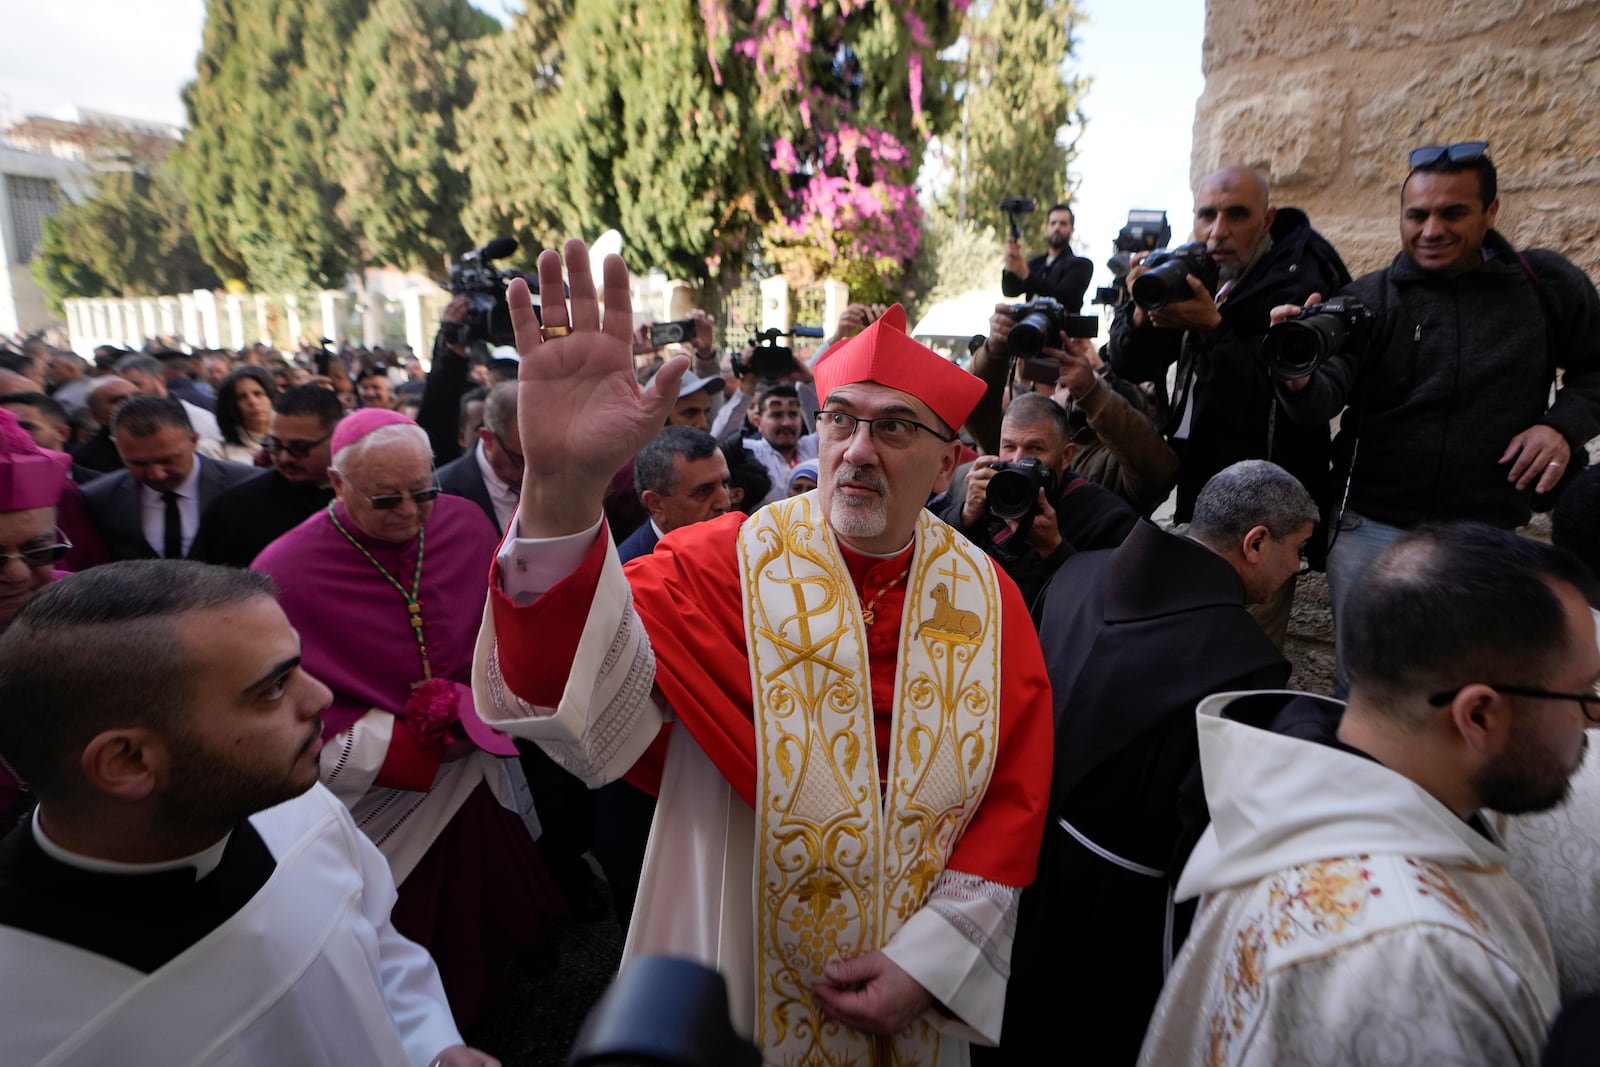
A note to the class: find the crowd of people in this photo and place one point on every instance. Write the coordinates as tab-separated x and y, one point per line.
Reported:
863	678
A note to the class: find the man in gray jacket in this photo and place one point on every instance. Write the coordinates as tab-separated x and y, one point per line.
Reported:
1450	414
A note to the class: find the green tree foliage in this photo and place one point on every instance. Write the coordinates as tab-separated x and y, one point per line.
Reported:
629	131
407	77
263	116
954	257
1018	92
130	239
518	75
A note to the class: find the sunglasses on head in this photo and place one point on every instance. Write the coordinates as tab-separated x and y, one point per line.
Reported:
1464	152
297	449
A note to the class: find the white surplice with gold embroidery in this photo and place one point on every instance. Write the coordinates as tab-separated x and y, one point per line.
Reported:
840	862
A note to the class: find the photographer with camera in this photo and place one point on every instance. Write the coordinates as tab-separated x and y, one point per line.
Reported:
1449	414
1117	445
1057	273
1026	507
1206	307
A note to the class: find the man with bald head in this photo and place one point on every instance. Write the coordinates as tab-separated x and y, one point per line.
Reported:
99	453
1223	407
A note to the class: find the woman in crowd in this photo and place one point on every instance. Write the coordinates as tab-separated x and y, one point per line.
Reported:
244	407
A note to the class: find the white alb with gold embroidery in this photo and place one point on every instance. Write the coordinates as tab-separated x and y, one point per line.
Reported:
841	865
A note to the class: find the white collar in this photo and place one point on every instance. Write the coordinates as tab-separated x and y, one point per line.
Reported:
203	862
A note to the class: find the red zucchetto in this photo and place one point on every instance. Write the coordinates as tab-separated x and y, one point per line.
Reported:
886	354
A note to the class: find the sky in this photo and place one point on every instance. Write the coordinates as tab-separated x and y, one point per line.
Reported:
133	58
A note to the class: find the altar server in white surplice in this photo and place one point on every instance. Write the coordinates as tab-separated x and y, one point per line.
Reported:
185	892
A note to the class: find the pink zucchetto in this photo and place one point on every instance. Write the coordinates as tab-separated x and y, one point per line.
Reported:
30	476
356	425
886	354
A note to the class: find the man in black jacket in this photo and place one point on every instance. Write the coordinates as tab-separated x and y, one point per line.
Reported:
1223	404
1450	413
1074	515
1057	273
239	523
1133	638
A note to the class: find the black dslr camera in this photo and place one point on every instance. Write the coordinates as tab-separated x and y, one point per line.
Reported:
484	286
1296	347
1039	325
770	361
1166	281
1144	231
1013	492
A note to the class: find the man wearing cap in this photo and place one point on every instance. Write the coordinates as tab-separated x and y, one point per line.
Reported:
855	774
385	587
624	511
32	480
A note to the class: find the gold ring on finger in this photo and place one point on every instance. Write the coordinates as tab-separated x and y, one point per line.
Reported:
551	332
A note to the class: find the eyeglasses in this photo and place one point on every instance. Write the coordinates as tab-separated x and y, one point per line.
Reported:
1589	702
42	556
390	501
518	460
297	449
891	432
1465	152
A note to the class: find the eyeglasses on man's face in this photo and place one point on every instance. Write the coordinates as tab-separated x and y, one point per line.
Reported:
390	501
39	555
1464	152
1589	701
891	432
297	449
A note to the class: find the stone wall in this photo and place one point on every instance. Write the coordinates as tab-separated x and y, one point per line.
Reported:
1328	97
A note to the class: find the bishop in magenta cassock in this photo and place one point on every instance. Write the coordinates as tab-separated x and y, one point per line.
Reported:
387	601
840	702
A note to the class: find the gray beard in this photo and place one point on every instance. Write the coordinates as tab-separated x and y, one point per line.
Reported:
1232	272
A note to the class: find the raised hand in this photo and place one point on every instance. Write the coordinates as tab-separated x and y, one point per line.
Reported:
581	413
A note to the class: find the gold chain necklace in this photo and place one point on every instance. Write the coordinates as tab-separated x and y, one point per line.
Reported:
866	609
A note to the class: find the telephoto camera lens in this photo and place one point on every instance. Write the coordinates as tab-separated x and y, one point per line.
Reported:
1167	279
1029	336
1296	347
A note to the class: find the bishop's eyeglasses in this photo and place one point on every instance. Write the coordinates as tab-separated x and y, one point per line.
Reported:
891	432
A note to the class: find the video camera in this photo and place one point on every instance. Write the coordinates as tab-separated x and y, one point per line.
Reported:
484	286
1039	324
769	360
1144	231
1013	492
1166	278
1296	347
1018	205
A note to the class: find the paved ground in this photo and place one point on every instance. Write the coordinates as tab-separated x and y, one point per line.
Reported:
547	999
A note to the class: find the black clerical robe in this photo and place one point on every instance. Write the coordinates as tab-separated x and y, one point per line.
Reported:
247	518
283	953
1133	638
